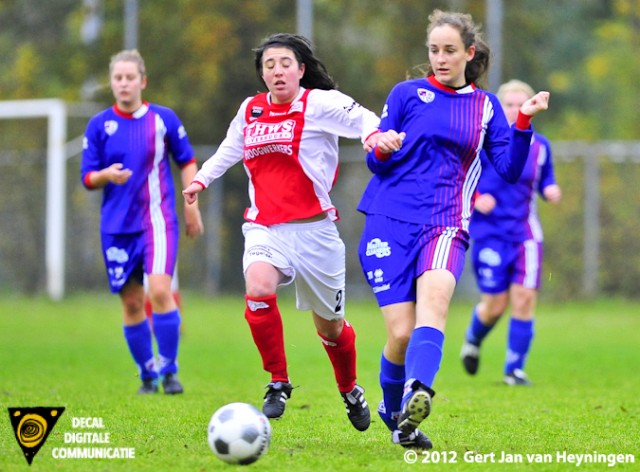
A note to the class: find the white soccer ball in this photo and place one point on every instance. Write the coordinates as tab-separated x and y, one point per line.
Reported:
239	433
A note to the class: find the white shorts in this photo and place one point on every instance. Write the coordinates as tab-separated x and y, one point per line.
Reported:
312	254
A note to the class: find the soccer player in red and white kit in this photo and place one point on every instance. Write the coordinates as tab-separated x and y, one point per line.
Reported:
287	139
126	154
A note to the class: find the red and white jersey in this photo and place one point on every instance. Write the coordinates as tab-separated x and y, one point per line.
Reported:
290	152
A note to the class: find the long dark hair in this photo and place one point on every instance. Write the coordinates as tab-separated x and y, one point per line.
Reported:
315	73
470	34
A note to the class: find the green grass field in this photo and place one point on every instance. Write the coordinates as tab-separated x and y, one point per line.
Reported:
585	365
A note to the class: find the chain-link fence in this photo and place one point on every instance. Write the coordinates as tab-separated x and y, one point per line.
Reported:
590	246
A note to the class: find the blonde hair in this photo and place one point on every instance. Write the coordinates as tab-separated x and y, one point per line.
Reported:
128	55
514	85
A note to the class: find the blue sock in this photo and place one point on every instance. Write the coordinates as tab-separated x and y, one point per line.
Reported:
477	330
141	347
392	383
166	327
422	360
518	344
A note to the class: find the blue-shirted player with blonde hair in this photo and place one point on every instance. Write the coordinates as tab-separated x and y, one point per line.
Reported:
426	166
126	154
507	247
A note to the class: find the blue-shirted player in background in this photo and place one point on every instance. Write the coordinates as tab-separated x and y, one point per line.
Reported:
507	246
426	167
126	154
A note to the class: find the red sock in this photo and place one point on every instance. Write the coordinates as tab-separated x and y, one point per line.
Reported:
342	354
265	322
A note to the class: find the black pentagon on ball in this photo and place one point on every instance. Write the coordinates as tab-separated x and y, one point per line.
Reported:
221	446
250	433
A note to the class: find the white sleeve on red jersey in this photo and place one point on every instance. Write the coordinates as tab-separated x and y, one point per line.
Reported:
341	115
230	151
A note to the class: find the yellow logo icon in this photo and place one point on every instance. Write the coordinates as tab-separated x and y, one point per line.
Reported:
32	426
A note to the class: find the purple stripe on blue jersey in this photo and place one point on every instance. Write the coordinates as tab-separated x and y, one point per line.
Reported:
432	178
137	141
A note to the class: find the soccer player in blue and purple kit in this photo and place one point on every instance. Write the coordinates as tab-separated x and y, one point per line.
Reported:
126	154
507	247
426	166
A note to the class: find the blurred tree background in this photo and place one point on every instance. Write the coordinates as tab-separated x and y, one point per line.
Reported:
199	61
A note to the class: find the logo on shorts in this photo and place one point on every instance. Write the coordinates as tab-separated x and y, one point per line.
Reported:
489	257
381	288
260	251
32	426
117	276
376	275
115	254
378	248
486	276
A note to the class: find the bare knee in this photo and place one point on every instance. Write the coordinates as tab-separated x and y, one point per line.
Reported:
259	289
132	298
330	329
523	302
262	280
492	307
161	300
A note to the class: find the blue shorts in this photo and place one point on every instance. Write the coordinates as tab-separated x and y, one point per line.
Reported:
393	254
498	264
129	256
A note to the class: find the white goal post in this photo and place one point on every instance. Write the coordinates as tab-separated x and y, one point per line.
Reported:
55	111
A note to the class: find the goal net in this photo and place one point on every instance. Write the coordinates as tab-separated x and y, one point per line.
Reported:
34	172
50	224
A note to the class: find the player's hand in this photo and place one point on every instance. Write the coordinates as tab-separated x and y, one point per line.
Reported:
387	142
116	174
539	102
552	193
190	193
193	221
371	141
485	203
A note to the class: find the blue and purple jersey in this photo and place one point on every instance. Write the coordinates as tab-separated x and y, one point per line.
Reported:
515	216
142	142
432	179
